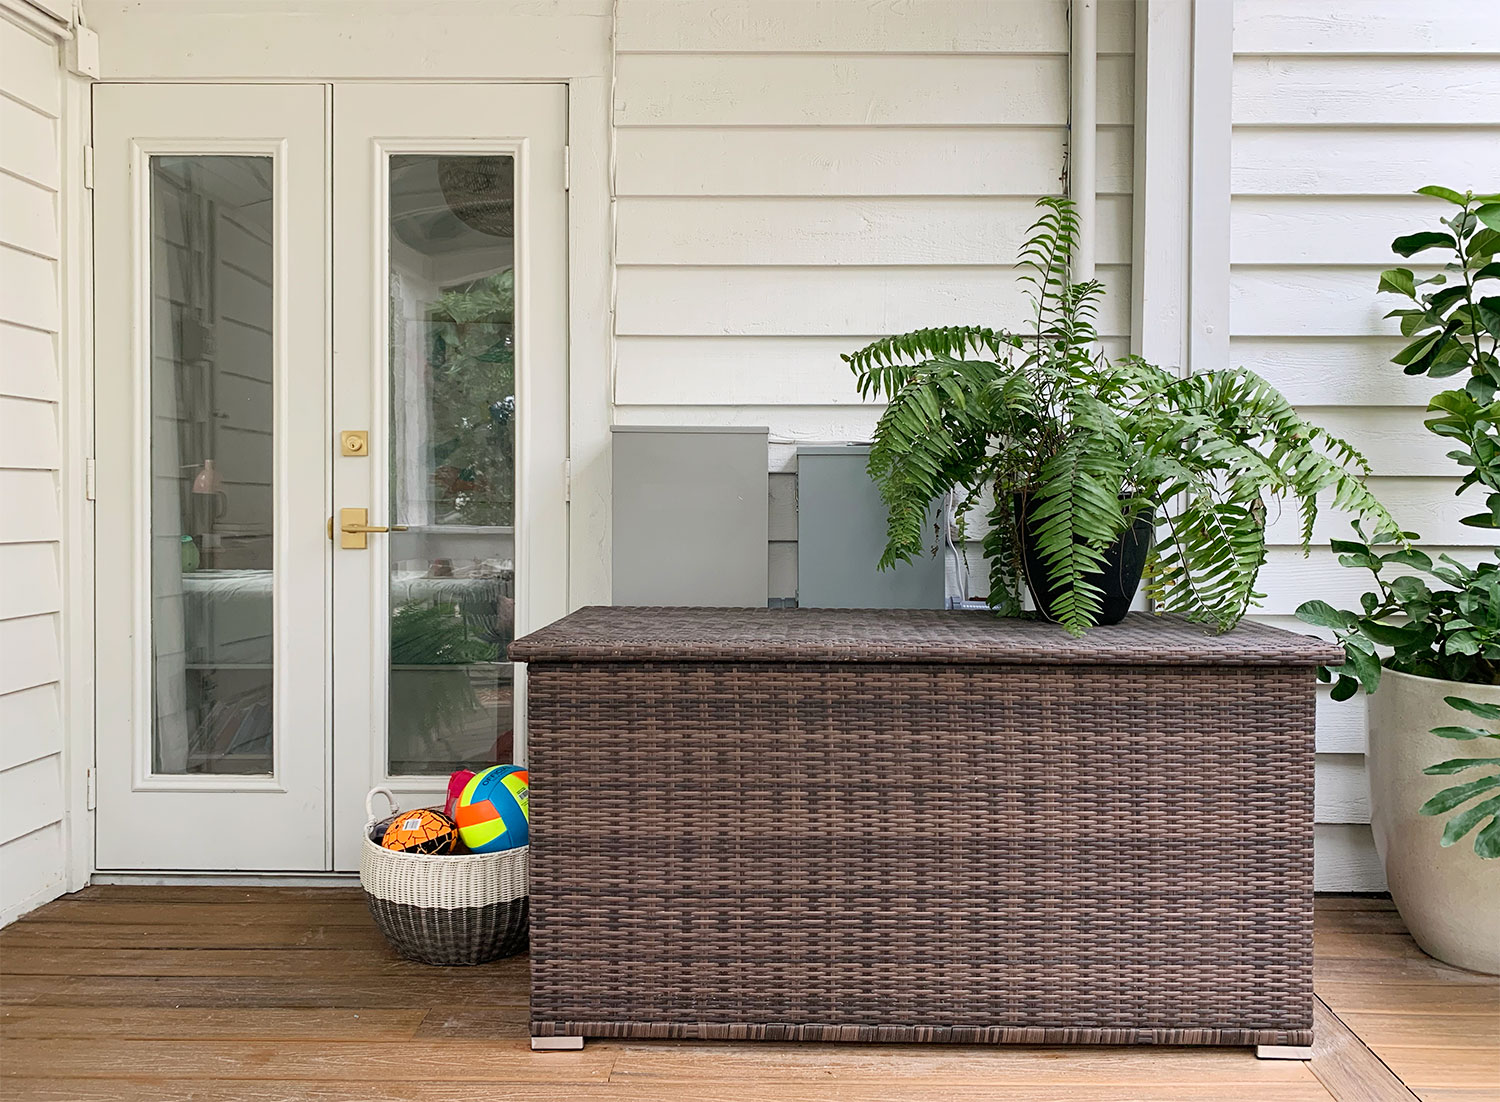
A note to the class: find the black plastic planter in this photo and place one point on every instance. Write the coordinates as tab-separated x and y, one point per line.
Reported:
1124	562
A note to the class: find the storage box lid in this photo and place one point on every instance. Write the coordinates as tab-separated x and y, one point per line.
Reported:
607	634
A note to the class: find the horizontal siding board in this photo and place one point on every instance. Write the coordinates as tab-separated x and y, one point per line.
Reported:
29	652
28	363
1288	579
1428	506
830	301
1333	91
1388	160
796	26
1286	230
759	371
1379	27
29	69
1333	370
32	797
823	231
28	144
1308	302
30	725
856	90
28	216
32	870
31	506
28	290
1341	723
29	579
1344	859
853	161
29	434
1343	790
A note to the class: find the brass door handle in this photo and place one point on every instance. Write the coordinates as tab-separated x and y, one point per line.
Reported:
353	523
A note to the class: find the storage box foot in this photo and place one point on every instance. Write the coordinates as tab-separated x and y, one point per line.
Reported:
1284	1052
556	1044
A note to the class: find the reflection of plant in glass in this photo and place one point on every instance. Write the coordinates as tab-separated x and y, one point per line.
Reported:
471	365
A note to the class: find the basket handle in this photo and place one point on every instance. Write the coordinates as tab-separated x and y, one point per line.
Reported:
390	798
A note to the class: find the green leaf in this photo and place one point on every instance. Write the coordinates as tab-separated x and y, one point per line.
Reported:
1487	841
1484	243
1464	734
1457	765
1466	821
1489	214
1449	798
1427	239
1488	312
1399	280
1324	615
1417	349
1439	192
1473	707
1345	688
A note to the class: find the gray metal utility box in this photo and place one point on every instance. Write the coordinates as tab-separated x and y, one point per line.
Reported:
841	533
690	516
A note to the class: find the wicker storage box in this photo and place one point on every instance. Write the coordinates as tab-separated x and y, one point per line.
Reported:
451	909
919	826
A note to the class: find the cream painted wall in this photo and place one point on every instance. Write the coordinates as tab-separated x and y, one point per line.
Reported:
33	839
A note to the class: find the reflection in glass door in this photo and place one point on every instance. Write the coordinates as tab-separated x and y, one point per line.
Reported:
453	461
212	449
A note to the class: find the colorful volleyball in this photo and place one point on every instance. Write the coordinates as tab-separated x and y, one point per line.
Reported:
421	831
492	812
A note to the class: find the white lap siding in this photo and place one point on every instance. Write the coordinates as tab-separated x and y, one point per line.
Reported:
797	177
32	840
1341	109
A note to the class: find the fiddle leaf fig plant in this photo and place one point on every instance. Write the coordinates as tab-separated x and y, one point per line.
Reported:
1042	418
1487	841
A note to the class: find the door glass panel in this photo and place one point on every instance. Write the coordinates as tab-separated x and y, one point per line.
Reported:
452	478
212	463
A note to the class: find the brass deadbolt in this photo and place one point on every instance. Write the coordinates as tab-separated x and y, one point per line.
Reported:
355	442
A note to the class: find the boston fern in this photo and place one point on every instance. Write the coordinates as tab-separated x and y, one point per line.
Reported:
1088	444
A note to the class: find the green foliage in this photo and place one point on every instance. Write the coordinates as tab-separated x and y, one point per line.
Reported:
1092	443
1487	841
435	635
1449	629
471	368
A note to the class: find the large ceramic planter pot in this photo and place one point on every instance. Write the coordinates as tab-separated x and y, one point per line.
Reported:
1449	898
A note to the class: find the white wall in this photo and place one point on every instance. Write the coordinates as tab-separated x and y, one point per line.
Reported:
796	179
1341	109
32	791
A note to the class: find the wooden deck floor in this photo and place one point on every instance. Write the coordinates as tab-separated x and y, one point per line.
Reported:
273	994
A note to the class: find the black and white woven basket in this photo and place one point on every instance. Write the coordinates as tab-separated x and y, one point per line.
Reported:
454	909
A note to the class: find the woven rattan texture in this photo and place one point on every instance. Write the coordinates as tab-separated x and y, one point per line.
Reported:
895	851
606	634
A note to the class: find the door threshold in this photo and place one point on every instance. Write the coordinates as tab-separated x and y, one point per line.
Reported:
231	879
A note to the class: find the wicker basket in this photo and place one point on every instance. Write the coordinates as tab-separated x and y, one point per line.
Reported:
454	909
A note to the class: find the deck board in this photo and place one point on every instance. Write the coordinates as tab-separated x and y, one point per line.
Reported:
178	993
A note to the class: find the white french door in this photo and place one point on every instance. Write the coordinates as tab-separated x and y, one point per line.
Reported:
318	308
450	351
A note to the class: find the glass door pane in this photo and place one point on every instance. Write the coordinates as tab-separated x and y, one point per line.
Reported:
453	446
211	447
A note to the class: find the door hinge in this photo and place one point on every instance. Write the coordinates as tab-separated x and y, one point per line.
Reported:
567	168
90	481
567	480
90	795
88	167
